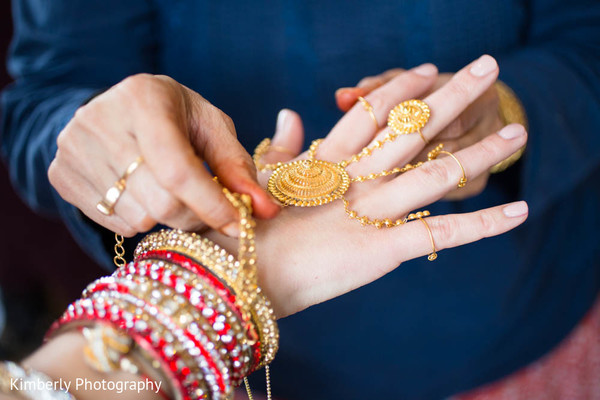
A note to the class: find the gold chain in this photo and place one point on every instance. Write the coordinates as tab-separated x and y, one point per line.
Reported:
268	380
119	258
262	149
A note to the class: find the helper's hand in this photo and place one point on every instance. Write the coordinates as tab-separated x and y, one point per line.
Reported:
477	121
175	130
310	255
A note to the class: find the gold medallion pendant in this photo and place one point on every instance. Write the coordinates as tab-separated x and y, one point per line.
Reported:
308	183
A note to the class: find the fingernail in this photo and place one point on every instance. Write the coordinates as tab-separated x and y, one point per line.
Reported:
232	229
517	209
282	122
484	66
511	131
425	70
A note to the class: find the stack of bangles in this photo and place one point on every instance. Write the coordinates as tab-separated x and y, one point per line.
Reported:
184	309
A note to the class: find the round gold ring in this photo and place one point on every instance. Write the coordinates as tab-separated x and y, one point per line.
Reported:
408	117
421	217
106	206
463	181
369	108
132	167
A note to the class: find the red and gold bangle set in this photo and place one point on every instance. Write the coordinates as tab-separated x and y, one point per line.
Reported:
193	310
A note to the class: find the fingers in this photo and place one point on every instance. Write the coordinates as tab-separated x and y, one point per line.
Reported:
356	128
346	97
459	229
446	106
464	88
76	190
288	139
433	180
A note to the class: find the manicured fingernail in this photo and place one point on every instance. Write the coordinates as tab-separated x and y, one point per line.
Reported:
517	209
511	131
282	122
425	70
484	66
232	229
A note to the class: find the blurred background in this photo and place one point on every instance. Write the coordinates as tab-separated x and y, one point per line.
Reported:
41	267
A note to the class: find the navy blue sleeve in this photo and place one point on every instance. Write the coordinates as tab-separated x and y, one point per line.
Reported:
63	52
557	77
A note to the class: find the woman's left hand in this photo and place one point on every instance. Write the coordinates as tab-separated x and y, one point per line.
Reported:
473	124
310	255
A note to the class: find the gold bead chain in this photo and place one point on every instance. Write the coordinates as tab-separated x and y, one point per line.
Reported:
119	258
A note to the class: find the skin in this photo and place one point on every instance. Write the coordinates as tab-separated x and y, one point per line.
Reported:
357	255
167	124
475	123
296	269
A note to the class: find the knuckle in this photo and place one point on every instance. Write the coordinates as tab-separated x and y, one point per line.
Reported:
136	82
66	142
53	174
228	121
173	178
166	209
460	90
125	230
143	222
87	118
435	173
486	224
488	150
444	231
377	101
219	213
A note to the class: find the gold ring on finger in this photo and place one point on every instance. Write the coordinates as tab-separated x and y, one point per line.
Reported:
106	206
420	216
437	151
369	108
408	117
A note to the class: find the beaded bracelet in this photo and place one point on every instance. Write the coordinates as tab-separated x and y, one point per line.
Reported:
192	310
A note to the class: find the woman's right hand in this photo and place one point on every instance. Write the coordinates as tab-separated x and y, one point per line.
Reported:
175	130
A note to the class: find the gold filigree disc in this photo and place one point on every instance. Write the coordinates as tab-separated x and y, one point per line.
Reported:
408	117
308	183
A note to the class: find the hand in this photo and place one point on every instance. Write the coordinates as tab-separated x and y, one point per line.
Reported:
175	130
309	255
477	121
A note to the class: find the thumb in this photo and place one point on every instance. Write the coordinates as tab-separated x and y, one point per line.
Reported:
288	139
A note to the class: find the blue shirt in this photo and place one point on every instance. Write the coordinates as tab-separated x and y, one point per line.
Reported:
426	330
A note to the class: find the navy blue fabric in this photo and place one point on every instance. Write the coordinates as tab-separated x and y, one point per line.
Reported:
426	330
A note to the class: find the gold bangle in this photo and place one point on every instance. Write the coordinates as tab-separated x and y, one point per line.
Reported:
511	111
369	108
